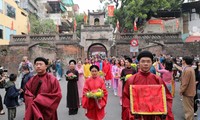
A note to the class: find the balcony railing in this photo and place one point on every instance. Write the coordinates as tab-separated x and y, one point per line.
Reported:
167	37
70	38
31	39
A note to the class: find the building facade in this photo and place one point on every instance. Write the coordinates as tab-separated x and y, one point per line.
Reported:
60	11
191	20
97	37
76	9
13	20
31	6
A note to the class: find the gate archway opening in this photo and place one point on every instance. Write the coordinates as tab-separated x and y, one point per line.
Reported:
96	21
97	49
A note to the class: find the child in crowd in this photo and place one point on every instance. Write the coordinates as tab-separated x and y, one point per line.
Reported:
11	96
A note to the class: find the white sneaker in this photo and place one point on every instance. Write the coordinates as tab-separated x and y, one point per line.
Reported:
195	114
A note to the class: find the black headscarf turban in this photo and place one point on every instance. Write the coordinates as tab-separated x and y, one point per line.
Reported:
145	54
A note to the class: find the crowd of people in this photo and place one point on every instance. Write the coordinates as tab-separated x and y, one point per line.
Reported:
88	82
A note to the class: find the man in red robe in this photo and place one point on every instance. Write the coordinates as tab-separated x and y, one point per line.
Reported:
144	77
42	94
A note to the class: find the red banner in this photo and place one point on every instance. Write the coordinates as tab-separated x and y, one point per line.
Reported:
111	10
155	21
12	26
148	99
57	26
85	18
75	25
177	23
28	27
135	26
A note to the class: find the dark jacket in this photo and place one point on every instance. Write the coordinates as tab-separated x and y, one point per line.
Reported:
11	96
197	74
25	79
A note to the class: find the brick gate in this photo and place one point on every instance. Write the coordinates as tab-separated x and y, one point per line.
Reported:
155	42
63	46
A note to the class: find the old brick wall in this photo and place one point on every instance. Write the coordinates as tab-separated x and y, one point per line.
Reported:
40	51
171	49
14	54
13	57
4	55
155	49
121	50
68	52
175	49
171	46
192	48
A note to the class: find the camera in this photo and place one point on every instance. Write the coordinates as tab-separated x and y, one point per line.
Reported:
3	70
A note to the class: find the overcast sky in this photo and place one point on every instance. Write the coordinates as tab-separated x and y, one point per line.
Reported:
84	5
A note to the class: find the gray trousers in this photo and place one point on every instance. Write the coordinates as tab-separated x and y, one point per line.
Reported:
11	113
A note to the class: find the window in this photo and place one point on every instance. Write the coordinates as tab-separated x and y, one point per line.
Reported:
10	11
8	32
1	6
1	32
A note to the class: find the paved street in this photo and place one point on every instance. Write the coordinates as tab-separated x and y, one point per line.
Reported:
113	109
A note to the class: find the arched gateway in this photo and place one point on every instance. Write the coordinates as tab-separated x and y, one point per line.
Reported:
62	46
97	49
96	38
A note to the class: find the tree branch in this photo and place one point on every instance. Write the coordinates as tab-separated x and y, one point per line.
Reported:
117	3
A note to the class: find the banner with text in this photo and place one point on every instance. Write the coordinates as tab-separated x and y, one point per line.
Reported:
111	10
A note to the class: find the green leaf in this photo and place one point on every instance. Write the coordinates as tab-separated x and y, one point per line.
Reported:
130	9
38	26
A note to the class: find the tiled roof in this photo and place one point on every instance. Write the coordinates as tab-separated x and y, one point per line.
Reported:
193	39
68	2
